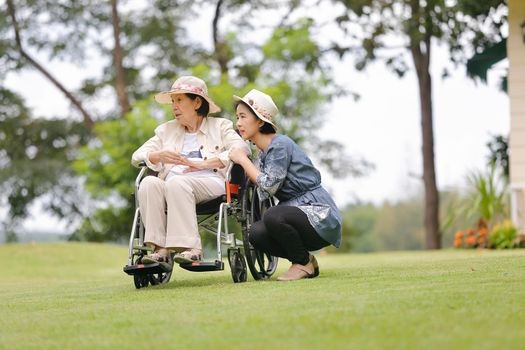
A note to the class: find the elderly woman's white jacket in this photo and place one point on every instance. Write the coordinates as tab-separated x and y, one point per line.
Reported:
216	137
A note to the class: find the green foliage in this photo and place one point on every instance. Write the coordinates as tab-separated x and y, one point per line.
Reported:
292	44
106	161
60	29
489	199
157	49
35	156
11	237
486	200
400	226
105	164
358	224
389	226
503	236
152	37
499	154
106	224
466	26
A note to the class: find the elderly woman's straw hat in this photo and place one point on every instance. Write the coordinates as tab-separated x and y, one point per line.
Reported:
261	104
188	85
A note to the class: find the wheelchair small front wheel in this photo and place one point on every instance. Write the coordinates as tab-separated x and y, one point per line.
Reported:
237	265
160	278
141	281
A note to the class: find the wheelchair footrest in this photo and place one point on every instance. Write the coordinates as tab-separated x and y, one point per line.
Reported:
141	269
202	266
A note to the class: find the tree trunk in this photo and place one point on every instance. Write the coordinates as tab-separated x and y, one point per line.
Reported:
88	120
221	49
118	56
421	56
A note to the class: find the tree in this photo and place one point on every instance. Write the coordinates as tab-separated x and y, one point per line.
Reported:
110	177
88	119
108	172
149	49
71	31
465	25
35	156
499	154
118	58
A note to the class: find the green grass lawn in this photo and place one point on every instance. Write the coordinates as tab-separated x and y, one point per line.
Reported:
75	296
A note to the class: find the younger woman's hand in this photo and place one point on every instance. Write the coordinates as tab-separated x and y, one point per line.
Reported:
237	155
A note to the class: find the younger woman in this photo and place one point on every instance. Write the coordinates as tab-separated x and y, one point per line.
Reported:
306	218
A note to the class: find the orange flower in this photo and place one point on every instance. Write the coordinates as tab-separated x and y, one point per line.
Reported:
481	241
458	243
482	232
459	234
470	232
471	240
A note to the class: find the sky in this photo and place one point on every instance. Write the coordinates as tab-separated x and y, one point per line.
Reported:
383	126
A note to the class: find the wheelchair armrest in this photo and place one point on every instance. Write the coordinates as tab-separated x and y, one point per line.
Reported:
148	171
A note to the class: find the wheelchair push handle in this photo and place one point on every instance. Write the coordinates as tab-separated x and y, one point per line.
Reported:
228	184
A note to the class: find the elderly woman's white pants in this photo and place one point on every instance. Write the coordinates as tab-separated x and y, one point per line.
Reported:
177	226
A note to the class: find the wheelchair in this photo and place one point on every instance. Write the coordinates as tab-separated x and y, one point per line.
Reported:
240	202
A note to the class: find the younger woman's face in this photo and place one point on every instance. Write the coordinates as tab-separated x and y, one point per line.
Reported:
247	122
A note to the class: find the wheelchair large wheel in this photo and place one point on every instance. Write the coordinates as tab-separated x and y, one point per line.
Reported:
261	265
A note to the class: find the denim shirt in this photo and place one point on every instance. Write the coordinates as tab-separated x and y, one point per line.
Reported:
288	174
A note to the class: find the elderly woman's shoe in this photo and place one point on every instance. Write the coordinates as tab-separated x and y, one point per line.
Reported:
298	272
156	257
188	256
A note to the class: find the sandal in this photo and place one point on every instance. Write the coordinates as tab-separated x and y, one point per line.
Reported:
156	257
188	256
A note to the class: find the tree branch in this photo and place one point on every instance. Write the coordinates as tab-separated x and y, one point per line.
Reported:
88	120
118	56
293	7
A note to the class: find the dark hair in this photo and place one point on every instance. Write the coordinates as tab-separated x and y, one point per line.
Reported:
204	109
267	128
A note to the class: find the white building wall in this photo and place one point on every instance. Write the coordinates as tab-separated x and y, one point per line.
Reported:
516	55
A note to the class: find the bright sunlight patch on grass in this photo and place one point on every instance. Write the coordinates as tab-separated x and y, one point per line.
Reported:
75	296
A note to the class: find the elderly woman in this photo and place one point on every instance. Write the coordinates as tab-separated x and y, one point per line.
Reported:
306	218
190	154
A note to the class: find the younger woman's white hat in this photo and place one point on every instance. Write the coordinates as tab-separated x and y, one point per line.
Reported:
261	104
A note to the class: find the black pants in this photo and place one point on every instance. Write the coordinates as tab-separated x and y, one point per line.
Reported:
285	231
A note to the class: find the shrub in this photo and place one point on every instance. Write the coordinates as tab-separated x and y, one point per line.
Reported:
503	235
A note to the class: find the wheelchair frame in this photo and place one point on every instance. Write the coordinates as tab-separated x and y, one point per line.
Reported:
242	202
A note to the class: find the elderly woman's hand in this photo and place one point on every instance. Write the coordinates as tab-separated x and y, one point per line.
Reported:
166	157
237	155
193	165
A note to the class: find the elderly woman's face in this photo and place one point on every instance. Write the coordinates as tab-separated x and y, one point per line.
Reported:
184	108
247	122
